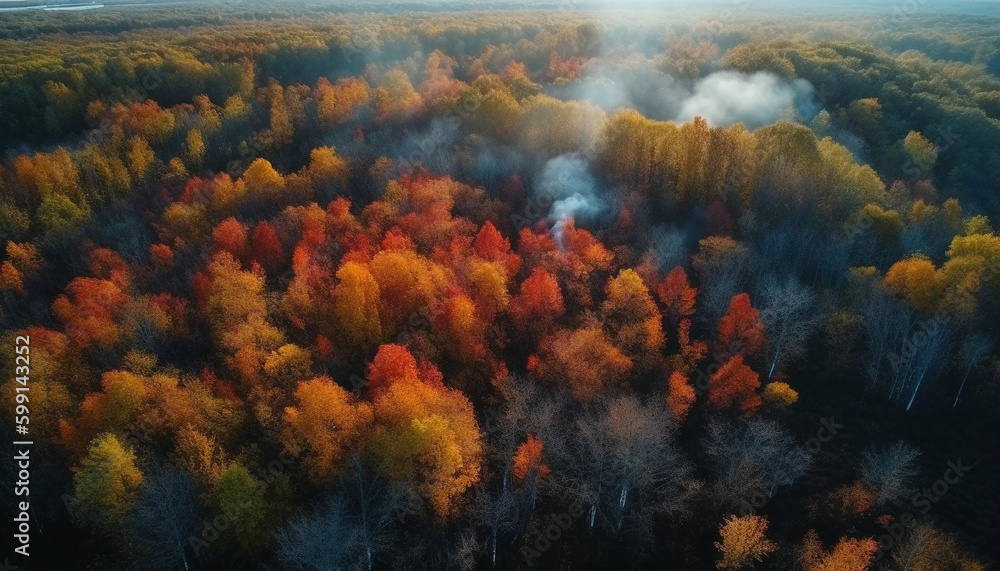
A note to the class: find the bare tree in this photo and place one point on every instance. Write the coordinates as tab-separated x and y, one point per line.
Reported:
723	272
519	416
527	410
646	459
669	245
888	471
788	248
496	513
752	459
975	349
926	547
164	516
716	292
371	504
887	321
466	551
623	463
322	541
790	316
924	354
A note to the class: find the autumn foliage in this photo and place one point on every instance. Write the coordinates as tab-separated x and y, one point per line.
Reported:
528	459
847	555
680	395
327	423
741	331
734	386
539	302
426	433
676	293
743	542
584	359
422	289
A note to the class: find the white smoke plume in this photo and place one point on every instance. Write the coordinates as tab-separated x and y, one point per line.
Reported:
722	98
728	97
567	182
642	87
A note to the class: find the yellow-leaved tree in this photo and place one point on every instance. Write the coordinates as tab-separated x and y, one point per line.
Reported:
917	280
425	433
104	485
356	307
631	315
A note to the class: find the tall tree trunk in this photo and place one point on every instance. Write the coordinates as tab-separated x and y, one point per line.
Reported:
913	397
960	387
493	551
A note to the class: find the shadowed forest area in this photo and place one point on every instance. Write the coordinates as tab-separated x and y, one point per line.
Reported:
440	287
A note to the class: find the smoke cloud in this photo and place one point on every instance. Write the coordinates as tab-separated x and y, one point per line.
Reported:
722	98
728	97
641	86
567	182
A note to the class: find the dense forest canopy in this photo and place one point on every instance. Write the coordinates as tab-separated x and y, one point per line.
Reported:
427	286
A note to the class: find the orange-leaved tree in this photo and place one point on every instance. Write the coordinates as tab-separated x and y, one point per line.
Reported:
326	423
392	364
848	555
741	330
676	293
527	460
585	359
743	542
230	235
734	385
680	395
490	245
538	304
